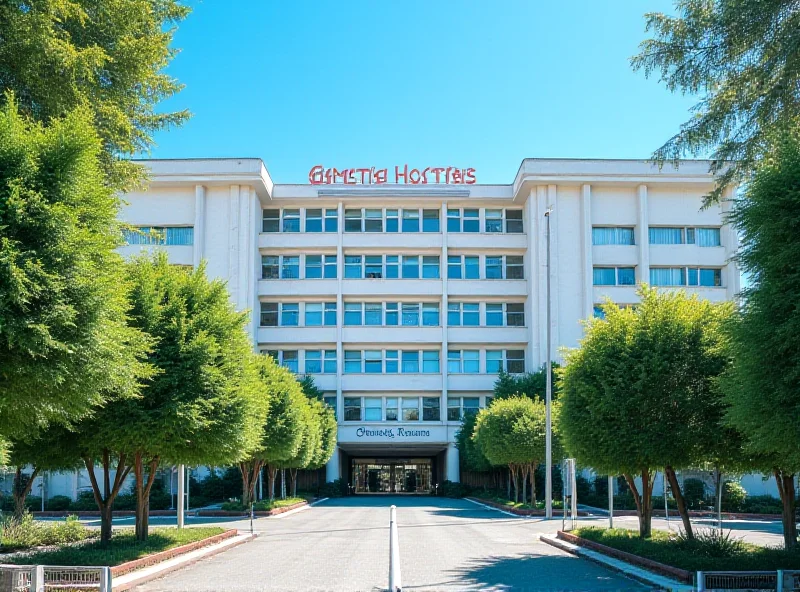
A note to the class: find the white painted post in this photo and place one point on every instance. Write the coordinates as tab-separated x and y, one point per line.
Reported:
779	587
105	579
610	501
664	487
548	479
395	584
701	582
37	578
181	504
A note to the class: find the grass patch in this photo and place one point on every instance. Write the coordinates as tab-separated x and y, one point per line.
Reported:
26	533
710	551
262	506
123	547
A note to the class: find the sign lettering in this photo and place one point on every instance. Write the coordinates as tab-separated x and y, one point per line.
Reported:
390	433
319	175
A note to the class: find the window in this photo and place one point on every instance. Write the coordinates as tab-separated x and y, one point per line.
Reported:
453	220
330	313
430	314
454	270
668	276
493	220
373	361
494	315
598	312
466	267
465	314
454	361
410	408
352	408
430	266
515	315
410	266
373	313
290	267
666	236
472	267
352	221
459	407
352	267
430	220
271	221
391	409
494	268
179	235
515	361
466	220
392	221
291	221
463	361
290	314
392	267
313	362
410	314
330	362
430	408
708	237
373	408
373	220
320	266
352	361
392	314
614	276
514	267
392	366
707	277
430	362
331	220
471	220
290	360
330	401
410	362
314	220
269	314
160	235
618	235
682	276
702	237
373	266
320	313
410	220
514	222
352	313
270	269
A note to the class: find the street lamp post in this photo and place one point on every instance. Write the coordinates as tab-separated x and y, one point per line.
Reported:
548	480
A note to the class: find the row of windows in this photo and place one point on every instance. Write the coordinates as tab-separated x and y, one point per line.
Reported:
393	361
392	314
408	408
495	267
657	235
659	276
392	220
159	235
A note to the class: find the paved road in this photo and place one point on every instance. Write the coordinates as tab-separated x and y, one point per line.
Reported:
445	545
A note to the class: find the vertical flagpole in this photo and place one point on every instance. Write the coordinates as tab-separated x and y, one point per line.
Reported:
549	394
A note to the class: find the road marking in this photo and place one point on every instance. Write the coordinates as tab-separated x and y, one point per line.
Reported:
319	501
495	509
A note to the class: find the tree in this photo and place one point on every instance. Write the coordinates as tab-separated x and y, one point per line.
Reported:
281	433
512	432
57	55
310	388
762	384
641	392
64	343
308	449
470	454
742	57
530	384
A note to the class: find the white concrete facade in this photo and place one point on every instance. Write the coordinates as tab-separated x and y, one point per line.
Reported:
241	220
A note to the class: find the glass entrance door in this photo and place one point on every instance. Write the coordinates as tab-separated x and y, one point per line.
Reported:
392	475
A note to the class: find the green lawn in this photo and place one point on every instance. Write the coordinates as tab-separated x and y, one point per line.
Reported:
706	555
123	547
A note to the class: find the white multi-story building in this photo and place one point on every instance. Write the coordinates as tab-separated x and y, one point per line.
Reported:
404	301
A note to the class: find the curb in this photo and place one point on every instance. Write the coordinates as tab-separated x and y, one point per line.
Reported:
517	512
635	573
158	570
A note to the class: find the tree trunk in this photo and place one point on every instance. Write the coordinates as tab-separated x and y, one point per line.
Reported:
533	486
718	497
21	491
250	471
785	481
105	498
283	484
143	488
669	472
644	502
524	470
513	470
293	477
271	472
508	485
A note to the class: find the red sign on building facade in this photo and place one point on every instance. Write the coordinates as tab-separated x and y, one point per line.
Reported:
319	175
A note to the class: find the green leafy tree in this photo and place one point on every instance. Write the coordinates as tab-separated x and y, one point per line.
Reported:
310	388
108	57
512	432
641	393
203	404
64	343
308	449
762	385
742	59
530	384
281	433
327	436
470	455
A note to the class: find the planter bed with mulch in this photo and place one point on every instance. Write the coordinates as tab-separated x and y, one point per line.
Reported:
517	511
654	566
259	513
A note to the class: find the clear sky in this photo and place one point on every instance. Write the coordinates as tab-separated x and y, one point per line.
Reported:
482	83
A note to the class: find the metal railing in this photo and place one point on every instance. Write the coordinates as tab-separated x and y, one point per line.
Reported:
51	578
781	580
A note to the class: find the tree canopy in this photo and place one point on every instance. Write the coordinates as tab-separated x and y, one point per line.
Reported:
742	59
64	343
641	392
763	383
530	384
108	57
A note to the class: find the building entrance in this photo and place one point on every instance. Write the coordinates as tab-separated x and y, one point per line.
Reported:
374	475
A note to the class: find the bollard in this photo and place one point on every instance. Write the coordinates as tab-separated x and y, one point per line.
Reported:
106	584
394	553
37	578
701	582
251	517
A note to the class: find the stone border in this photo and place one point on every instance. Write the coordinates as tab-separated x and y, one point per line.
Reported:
517	511
258	513
154	558
654	566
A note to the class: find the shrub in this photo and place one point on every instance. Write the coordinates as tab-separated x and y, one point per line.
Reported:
583	488
233	506
27	533
694	491
710	542
762	504
336	488
600	486
733	497
84	502
58	503
452	489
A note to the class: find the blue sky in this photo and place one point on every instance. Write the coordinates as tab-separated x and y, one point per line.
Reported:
478	84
